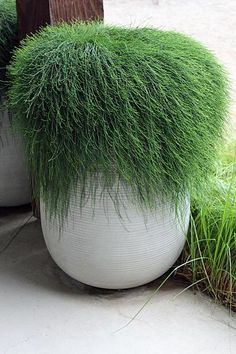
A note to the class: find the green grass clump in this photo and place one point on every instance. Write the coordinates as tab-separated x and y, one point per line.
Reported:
8	36
212	235
144	105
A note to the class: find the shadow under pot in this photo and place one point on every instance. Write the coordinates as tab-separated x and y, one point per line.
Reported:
14	178
97	246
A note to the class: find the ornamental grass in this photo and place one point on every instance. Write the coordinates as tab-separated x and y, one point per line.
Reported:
137	106
211	243
8	37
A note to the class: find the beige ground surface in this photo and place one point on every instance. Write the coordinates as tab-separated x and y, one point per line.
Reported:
213	22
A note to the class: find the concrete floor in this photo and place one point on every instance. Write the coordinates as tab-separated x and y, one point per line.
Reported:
44	311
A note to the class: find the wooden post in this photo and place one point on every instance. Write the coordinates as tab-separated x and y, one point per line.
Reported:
69	10
31	15
34	14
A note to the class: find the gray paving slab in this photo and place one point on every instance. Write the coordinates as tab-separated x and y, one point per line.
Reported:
43	311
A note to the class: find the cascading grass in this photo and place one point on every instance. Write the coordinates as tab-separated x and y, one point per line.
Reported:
144	105
8	37
212	235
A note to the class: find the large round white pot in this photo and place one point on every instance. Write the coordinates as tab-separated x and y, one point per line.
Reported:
14	177
99	248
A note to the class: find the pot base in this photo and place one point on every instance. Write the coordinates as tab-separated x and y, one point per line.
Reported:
99	248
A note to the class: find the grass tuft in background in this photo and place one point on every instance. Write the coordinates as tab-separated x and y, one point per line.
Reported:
212	235
8	37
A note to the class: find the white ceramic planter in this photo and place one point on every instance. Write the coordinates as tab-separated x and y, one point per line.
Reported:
14	178
99	248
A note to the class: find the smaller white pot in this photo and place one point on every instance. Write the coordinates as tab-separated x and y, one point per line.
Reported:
14	177
99	248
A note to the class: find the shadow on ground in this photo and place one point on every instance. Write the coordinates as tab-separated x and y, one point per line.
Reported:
24	258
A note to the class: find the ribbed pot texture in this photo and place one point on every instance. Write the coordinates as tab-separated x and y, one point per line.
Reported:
14	177
98	247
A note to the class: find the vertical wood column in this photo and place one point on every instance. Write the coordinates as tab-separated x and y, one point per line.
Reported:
69	10
31	15
34	14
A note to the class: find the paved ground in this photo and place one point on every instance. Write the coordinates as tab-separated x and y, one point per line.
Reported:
43	311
